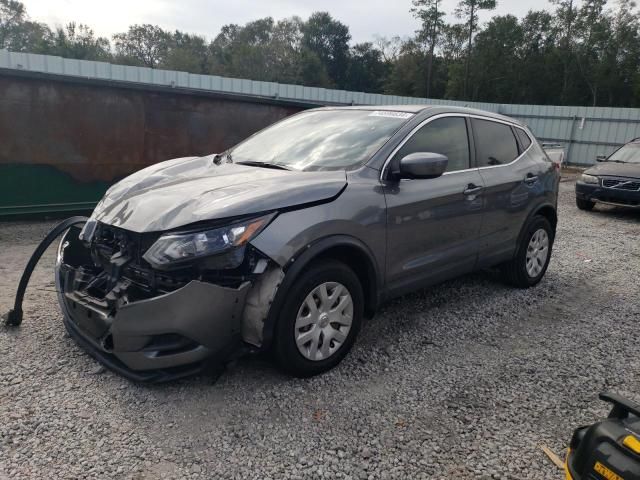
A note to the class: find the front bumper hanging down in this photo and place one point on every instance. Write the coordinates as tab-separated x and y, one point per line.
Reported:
154	337
14	316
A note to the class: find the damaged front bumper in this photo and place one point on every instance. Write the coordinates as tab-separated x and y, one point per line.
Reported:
182	332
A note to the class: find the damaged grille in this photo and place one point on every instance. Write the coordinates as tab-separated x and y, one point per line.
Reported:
109	241
120	252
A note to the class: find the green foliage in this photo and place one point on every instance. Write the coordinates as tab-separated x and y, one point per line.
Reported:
76	41
468	10
329	40
146	45
366	69
584	52
187	53
432	17
496	52
17	32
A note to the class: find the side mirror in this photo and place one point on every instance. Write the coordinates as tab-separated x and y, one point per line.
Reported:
423	165
601	158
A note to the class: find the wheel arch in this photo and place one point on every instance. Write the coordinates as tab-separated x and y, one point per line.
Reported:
545	210
349	250
549	212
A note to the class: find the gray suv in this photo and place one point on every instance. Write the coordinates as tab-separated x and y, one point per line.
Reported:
288	240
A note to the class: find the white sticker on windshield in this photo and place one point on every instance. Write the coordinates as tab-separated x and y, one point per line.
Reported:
390	114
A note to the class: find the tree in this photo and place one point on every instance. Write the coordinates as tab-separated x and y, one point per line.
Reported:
367	70
452	42
187	52
77	41
389	47
432	17
329	40
261	50
17	32
540	61
498	60
286	47
468	9
244	51
626	51
452	48
408	72
146	45
593	50
565	15
312	71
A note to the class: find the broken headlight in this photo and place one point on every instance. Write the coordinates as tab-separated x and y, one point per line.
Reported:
89	229
184	247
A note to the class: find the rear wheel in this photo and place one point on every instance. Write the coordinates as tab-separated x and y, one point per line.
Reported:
532	257
584	204
320	319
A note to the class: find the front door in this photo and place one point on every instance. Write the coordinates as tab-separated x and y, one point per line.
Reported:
433	225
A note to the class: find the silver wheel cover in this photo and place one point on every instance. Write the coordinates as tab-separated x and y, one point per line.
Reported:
537	252
324	321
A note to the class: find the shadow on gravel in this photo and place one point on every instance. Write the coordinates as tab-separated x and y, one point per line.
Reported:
619	213
407	314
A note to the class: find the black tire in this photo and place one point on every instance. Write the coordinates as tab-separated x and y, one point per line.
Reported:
286	351
515	272
584	204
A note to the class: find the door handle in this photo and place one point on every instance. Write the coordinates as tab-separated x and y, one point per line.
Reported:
472	189
530	179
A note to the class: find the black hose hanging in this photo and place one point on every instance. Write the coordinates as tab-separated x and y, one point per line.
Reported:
14	316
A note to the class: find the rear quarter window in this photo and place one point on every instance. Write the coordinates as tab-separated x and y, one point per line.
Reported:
495	143
525	140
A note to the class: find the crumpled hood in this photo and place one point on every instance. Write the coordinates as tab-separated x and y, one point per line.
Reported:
178	192
615	169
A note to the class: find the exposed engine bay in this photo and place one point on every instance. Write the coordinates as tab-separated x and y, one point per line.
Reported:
151	324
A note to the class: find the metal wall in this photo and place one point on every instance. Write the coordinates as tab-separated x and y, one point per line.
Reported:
63	143
586	132
70	127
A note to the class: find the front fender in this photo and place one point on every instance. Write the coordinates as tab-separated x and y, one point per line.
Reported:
306	256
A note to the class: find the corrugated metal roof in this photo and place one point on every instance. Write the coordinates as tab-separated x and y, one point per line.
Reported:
584	131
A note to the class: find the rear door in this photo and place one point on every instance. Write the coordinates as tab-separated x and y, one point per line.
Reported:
512	176
433	224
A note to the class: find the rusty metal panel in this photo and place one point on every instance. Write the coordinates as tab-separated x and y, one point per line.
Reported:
70	141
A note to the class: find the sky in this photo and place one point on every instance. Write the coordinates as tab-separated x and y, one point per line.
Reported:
365	18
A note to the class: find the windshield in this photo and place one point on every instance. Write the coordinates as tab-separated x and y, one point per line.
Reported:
321	139
630	153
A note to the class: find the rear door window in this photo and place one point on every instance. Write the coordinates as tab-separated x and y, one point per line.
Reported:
495	143
446	136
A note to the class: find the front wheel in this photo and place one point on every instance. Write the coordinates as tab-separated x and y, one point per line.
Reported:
532	256
584	204
320	319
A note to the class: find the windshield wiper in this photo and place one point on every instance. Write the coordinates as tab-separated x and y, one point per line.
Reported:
616	161
277	166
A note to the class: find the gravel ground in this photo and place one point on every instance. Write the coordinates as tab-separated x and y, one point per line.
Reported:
464	380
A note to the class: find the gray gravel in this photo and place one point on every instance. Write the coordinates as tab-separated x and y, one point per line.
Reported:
464	380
